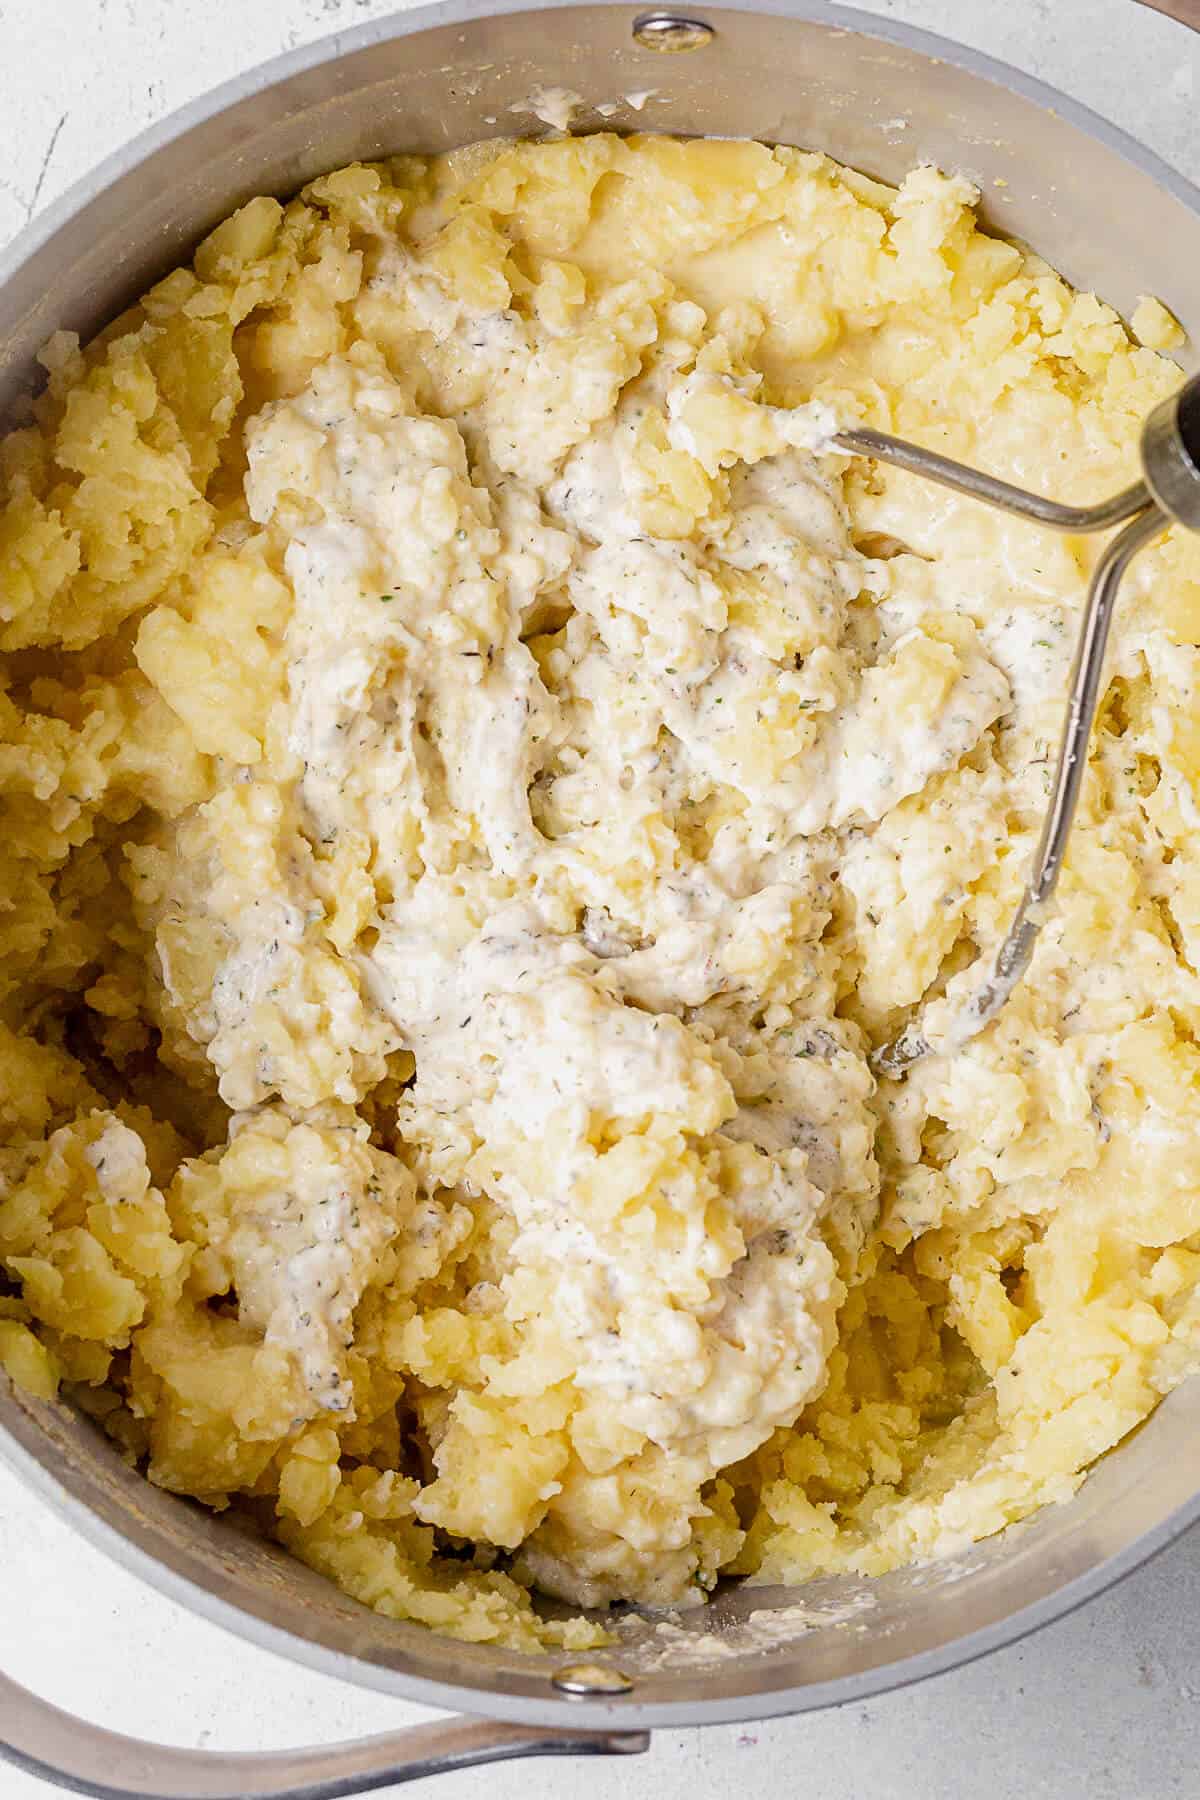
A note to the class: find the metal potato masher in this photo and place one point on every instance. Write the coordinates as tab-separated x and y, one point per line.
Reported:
1168	493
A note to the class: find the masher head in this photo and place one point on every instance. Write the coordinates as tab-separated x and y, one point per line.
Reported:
1169	493
1171	455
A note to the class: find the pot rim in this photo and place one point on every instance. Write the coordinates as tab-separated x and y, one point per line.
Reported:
621	1712
333	46
18	1450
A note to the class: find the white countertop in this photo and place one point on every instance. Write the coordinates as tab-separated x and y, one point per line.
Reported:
1105	1703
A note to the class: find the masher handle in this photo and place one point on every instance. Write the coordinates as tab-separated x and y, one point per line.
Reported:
915	459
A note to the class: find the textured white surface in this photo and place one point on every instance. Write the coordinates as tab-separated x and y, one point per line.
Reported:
1107	1702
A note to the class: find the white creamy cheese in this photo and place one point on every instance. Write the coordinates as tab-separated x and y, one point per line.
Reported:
301	1252
118	1156
563	1009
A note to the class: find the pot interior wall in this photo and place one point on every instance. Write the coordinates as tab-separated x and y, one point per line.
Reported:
1111	224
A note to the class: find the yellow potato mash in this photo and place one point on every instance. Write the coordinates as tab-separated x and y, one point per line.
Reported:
479	774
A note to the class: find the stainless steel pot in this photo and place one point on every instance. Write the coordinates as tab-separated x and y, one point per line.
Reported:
1113	219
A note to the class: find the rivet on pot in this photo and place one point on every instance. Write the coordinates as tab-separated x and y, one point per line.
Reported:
591	1680
670	32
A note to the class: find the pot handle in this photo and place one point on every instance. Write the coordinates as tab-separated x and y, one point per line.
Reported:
1185	12
88	1759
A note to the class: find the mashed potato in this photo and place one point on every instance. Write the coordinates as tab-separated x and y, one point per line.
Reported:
479	775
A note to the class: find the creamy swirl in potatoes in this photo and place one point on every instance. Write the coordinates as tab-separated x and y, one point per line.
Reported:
480	775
